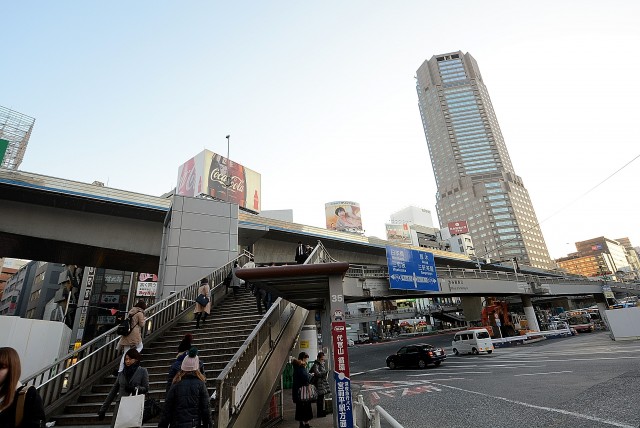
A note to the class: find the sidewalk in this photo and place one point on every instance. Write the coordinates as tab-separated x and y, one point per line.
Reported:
289	410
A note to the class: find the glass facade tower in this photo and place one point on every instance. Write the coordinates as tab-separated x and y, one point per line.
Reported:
474	176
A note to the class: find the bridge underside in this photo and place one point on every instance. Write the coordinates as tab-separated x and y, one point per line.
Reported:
33	248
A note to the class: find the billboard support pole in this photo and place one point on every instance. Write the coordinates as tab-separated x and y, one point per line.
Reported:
228	137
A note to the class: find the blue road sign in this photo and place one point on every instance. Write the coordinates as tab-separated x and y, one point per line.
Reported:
411	269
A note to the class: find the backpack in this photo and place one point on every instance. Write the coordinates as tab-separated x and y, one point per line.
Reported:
124	328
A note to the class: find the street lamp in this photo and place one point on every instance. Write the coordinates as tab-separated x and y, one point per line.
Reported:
226	181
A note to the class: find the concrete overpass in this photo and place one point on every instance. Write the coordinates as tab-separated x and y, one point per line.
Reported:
52	219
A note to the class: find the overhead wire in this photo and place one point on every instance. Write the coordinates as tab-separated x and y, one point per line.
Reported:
537	225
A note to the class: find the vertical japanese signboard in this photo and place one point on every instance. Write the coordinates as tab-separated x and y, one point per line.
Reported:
341	378
411	269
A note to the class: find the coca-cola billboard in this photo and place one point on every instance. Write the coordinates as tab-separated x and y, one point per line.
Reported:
458	227
214	175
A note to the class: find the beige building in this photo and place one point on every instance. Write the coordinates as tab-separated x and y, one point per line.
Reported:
589	265
475	179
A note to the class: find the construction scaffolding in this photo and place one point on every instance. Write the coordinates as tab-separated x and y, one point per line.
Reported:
15	130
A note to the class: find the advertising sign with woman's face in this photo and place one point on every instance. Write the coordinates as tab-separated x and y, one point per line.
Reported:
343	216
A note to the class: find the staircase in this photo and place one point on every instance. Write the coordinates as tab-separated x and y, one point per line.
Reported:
226	329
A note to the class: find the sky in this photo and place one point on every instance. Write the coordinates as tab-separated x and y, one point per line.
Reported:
319	98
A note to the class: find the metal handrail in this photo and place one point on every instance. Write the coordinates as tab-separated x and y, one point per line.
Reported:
361	271
240	374
319	255
83	365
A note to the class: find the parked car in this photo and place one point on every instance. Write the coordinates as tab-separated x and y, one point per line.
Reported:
416	355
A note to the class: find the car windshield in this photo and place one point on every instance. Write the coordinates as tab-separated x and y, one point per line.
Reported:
427	347
483	335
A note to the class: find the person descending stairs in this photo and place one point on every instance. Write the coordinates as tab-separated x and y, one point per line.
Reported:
226	329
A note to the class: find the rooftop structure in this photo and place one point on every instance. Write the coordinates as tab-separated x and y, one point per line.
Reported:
15	130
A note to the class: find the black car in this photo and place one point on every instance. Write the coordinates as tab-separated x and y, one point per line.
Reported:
416	355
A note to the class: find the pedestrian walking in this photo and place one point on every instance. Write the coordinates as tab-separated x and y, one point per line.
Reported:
249	265
261	299
200	310
301	253
20	406
134	338
133	377
319	372
183	350
235	281
187	404
301	377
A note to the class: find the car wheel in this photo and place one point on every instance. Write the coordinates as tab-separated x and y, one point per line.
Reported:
391	365
422	364
489	351
455	351
474	351
437	363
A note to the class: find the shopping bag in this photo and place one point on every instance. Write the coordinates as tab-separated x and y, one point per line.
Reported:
130	411
308	393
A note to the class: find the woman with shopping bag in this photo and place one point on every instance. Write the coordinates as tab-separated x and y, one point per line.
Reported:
133	380
303	391
188	403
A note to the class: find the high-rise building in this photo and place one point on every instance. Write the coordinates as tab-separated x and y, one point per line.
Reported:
15	130
475	179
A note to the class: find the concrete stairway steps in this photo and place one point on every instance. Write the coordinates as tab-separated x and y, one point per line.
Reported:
217	341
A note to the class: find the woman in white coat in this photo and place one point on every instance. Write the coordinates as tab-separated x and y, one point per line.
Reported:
203	311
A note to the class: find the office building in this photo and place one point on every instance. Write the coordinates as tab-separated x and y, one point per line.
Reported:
17	289
475	179
15	131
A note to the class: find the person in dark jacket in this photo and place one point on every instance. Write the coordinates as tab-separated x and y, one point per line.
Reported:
10	391
131	378
187	404
301	377
183	350
319	372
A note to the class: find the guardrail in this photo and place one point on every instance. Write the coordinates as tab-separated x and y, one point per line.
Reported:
365	418
363	271
86	364
239	375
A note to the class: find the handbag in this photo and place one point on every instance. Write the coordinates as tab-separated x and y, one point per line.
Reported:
130	411
152	408
307	393
202	300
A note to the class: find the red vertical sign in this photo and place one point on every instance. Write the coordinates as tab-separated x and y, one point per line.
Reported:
341	374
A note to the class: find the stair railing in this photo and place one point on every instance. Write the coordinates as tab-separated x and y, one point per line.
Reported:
83	366
239	375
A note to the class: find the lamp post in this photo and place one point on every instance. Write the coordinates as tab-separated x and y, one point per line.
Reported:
226	181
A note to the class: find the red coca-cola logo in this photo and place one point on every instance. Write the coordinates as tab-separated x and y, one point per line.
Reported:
186	185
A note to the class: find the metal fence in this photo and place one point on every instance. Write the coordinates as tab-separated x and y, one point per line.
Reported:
363	271
366	418
68	376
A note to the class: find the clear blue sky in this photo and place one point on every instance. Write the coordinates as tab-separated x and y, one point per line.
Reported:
320	98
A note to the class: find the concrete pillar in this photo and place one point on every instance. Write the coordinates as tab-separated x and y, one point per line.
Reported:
308	338
601	301
530	313
472	307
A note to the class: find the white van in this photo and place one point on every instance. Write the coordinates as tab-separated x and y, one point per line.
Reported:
472	342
